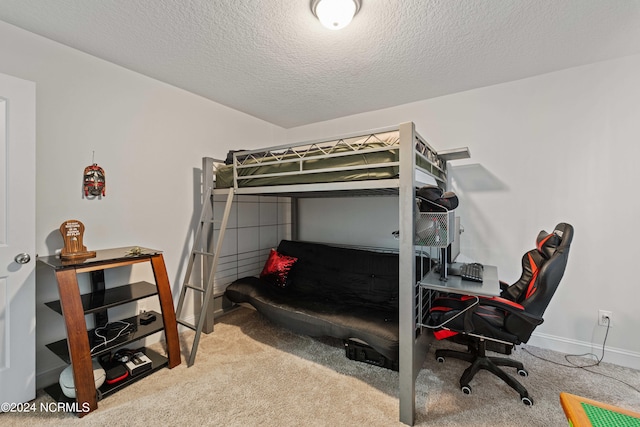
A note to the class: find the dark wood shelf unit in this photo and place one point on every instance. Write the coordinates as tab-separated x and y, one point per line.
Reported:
99	301
77	348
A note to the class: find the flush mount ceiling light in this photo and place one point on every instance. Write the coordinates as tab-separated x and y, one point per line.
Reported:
335	14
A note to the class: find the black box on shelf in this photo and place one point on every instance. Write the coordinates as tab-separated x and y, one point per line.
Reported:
363	353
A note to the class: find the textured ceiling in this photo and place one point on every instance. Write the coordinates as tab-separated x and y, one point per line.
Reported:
272	58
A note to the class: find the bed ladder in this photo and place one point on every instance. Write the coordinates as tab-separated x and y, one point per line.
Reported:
200	250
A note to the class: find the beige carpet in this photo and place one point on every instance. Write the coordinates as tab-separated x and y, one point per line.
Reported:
250	373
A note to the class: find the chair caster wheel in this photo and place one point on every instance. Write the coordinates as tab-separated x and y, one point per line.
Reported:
523	372
527	400
440	359
466	389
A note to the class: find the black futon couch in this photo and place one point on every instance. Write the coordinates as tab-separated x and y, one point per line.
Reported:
331	291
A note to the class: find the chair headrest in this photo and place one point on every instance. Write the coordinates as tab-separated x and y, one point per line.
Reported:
547	243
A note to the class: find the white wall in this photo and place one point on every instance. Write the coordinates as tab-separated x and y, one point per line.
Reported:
148	136
556	147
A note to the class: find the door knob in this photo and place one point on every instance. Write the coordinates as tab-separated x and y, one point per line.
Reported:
22	258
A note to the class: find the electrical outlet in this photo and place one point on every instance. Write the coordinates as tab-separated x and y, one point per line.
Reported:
605	318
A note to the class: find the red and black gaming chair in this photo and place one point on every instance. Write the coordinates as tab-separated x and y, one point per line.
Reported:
500	323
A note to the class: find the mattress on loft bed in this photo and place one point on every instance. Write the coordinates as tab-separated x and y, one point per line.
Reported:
345	154
224	174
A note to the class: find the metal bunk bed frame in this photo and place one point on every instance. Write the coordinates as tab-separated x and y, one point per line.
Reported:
413	342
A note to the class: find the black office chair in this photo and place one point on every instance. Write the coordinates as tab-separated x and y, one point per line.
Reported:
500	323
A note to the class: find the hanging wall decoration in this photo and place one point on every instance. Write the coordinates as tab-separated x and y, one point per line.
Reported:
94	180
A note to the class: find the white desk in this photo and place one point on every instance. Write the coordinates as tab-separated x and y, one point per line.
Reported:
490	286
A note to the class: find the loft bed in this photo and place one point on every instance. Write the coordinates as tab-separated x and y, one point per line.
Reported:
388	161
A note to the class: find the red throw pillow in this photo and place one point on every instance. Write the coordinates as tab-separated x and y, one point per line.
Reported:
277	268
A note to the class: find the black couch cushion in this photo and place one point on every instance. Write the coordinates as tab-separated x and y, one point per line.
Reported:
343	275
339	292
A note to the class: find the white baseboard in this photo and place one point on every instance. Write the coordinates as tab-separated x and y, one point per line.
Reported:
613	355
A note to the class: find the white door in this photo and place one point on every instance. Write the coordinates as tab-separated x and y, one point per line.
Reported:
17	240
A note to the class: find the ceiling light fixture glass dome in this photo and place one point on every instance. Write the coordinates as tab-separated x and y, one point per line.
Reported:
335	14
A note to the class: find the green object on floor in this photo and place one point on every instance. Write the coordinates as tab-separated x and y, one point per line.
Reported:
601	417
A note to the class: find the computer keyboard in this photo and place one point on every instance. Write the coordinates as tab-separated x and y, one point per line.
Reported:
472	272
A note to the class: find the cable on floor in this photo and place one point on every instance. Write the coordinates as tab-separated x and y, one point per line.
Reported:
584	367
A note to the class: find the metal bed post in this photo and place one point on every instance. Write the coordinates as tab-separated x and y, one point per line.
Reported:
406	200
